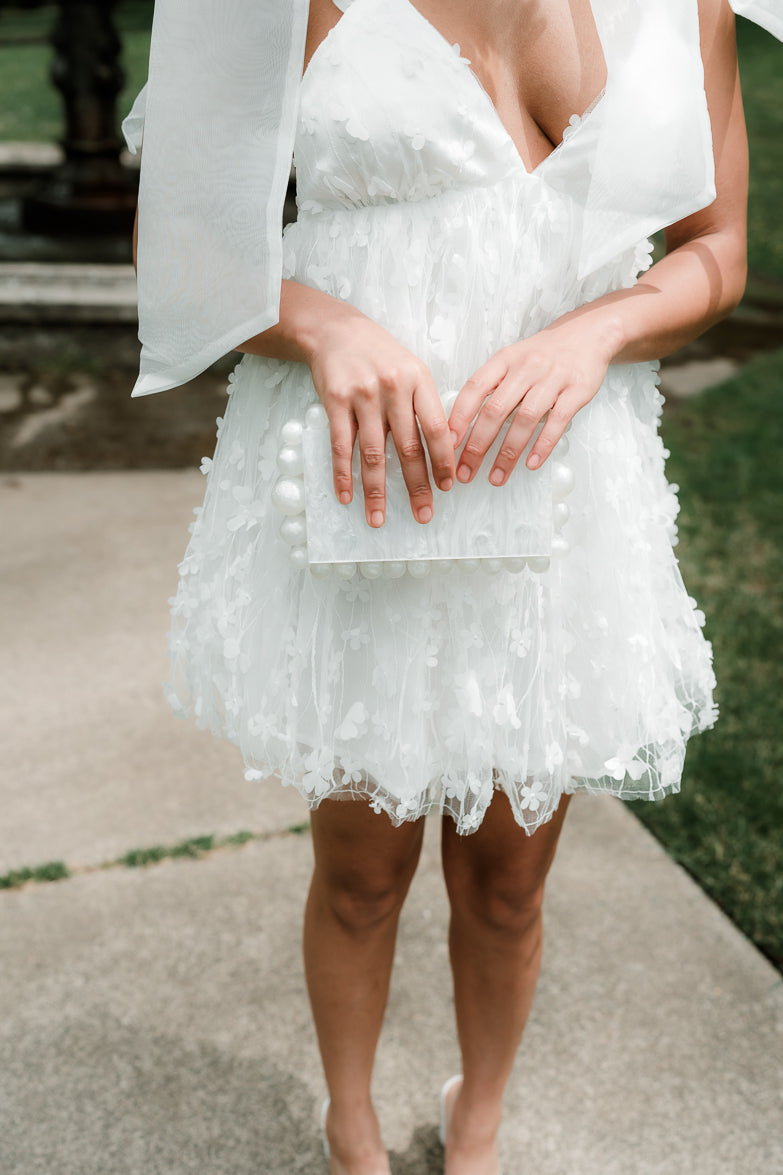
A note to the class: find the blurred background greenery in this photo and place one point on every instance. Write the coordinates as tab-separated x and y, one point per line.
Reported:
726	827
30	108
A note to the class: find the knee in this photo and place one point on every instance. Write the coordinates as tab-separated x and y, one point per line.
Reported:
510	912
502	903
363	902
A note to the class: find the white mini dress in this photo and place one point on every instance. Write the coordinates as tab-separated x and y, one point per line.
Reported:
431	693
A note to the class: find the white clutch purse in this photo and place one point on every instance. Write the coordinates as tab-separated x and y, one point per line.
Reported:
477	526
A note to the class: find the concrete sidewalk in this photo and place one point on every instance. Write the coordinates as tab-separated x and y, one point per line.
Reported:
154	1020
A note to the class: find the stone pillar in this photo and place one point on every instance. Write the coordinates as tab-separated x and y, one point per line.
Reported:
90	192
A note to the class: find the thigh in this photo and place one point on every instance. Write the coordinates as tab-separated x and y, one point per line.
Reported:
500	853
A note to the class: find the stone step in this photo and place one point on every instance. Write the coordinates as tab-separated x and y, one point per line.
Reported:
34	292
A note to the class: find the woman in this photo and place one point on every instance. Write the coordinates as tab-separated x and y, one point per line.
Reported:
475	184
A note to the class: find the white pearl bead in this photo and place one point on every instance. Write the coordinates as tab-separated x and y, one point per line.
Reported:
491	566
321	570
560	546
293	530
315	417
371	570
515	565
444	565
288	495
298	557
290	460
539	564
291	432
560	514
418	568
345	570
562	447
469	565
562	481
394	569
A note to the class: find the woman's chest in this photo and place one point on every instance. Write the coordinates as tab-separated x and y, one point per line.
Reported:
539	64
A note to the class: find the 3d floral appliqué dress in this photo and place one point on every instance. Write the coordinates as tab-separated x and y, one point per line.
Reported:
422	694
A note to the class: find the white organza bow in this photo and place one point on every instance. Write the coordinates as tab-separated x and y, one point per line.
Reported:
218	120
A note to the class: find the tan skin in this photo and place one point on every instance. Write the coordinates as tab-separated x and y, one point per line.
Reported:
540	62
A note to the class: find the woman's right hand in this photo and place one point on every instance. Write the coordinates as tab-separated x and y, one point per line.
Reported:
371	385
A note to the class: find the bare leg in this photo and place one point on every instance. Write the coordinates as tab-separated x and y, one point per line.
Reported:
363	868
495	880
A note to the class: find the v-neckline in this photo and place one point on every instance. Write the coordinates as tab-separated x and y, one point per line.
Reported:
479	85
448	47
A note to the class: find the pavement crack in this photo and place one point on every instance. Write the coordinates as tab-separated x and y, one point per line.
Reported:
192	848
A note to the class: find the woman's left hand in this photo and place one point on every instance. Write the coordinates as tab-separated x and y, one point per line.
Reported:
556	371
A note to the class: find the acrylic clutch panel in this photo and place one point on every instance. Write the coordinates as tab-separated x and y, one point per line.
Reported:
477	525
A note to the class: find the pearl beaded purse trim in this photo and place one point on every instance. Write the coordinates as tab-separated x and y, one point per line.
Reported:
475	526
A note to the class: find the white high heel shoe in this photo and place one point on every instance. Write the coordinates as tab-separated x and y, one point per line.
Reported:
444	1093
324	1139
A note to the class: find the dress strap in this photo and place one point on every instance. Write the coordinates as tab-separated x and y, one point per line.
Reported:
342	4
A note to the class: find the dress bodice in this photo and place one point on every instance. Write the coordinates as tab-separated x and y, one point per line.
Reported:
415	204
390	111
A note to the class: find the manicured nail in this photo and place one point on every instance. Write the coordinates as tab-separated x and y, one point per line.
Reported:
425	514
447	484
345	497
496	477
376	518
453	437
533	461
463	473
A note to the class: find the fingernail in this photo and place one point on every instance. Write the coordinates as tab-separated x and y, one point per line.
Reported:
345	497
463	473
447	484
496	477
533	461
425	514
376	518
453	437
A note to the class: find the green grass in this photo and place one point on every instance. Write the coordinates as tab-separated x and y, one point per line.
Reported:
193	848
761	68
726	827
30	107
51	871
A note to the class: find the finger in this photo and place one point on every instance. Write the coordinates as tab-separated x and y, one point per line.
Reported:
342	428
473	394
524	423
372	448
407	441
494	413
437	437
567	406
